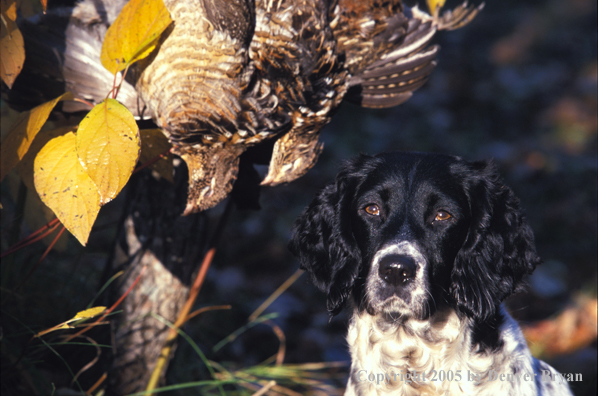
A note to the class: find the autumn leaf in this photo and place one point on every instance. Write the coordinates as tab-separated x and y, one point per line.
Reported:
134	34
80	317
89	313
108	147
25	167
577	321
64	186
435	5
12	47
154	143
23	131
8	8
36	213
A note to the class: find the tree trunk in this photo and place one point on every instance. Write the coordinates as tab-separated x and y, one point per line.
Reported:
167	247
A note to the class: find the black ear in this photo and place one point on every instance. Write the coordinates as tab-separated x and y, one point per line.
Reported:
499	249
323	240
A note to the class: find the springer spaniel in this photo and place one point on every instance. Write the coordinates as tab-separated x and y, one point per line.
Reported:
428	246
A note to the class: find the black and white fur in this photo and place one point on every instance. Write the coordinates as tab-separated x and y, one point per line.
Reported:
426	247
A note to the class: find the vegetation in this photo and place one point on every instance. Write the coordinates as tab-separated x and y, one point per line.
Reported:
518	85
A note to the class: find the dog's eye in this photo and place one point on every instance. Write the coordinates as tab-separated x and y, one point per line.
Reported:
442	215
372	209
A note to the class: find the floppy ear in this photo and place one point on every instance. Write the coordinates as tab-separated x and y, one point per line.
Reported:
499	249
323	240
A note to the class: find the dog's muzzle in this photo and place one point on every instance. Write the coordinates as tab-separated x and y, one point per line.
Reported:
397	269
396	282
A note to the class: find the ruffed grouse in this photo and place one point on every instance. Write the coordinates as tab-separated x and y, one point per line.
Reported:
230	74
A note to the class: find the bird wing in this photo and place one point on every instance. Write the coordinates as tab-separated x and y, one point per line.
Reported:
63	54
391	80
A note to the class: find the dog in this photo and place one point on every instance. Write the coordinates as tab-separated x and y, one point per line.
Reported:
426	247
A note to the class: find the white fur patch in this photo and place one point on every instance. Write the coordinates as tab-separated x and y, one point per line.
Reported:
392	359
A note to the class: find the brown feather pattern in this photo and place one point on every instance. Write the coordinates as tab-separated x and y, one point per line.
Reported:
277	69
231	74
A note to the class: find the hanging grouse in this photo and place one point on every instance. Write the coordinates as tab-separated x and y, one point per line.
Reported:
231	74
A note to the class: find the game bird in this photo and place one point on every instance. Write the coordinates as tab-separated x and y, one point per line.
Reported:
231	74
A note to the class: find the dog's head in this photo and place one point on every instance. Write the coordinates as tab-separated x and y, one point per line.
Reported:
406	233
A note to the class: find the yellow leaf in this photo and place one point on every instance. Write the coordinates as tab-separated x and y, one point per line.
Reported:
154	143
9	9
12	50
22	133
64	186
25	166
89	313
36	212
134	34
434	5
108	147
80	317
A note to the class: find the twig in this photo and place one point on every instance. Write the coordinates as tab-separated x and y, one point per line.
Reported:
92	362
206	309
112	308
48	249
34	237
86	102
281	289
153	160
99	382
265	389
193	293
282	339
87	327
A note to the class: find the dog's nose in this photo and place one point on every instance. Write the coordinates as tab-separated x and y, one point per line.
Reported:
397	269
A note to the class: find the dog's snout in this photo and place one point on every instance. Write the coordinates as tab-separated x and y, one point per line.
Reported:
397	269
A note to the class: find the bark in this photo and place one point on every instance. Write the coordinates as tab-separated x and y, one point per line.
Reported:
169	246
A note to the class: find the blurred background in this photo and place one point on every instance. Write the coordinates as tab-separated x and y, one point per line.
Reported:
519	85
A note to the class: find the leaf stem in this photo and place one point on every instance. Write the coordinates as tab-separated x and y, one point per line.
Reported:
48	249
193	293
153	160
34	237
